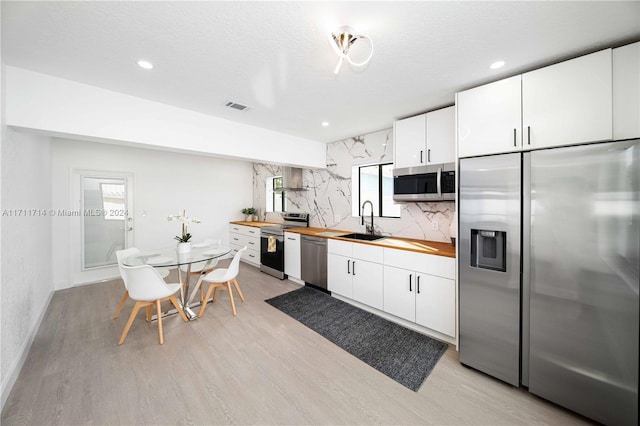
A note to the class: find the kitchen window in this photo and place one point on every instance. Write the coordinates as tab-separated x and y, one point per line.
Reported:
374	182
276	201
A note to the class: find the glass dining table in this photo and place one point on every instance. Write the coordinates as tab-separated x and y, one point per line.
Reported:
169	258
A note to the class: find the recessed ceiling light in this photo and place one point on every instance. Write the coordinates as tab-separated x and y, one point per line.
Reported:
145	64
325	124
496	65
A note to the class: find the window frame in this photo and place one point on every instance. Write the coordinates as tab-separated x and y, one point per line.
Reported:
380	192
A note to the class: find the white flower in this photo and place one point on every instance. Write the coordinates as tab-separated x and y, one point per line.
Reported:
184	220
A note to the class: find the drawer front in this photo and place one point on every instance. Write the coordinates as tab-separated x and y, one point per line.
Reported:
291	236
440	266
249	231
341	248
368	252
252	243
252	256
249	255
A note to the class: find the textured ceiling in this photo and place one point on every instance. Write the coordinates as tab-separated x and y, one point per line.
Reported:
275	56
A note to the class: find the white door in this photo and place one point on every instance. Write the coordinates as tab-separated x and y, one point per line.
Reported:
367	283
568	103
409	143
102	223
399	292
489	118
441	136
339	278
436	304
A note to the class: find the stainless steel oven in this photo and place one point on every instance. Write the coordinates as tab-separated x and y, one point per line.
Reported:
272	243
272	252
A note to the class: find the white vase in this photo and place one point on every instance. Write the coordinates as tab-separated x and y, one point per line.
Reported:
184	247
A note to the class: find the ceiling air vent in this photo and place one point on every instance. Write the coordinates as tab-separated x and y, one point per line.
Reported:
236	105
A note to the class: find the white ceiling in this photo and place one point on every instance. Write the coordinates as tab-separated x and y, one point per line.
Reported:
275	56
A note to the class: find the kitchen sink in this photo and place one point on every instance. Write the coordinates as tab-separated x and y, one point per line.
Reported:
366	237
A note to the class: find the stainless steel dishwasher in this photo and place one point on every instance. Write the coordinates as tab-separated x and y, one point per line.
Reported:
314	261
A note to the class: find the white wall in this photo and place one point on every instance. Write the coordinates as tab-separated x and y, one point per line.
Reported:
26	276
211	189
69	109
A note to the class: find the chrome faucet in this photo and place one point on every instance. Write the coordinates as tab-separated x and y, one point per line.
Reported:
369	228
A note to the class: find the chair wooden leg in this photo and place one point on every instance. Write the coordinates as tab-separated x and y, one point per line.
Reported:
149	313
215	294
125	296
233	305
160	336
134	312
175	303
235	284
206	300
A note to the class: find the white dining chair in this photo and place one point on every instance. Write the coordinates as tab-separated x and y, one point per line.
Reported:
147	288
121	255
223	278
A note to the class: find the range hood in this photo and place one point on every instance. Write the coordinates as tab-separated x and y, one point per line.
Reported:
291	179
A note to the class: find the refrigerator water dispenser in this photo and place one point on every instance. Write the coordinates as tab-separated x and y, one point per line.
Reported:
488	249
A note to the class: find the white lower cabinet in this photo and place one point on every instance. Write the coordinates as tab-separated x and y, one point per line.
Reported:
421	288
292	264
414	289
245	236
355	271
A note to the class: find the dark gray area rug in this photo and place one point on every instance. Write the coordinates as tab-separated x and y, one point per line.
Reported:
402	354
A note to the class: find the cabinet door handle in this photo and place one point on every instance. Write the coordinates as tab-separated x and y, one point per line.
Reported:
528	135
514	137
410	278
428	156
354	267
348	266
421	152
418	284
291	239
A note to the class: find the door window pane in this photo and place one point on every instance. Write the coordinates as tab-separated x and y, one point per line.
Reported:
103	220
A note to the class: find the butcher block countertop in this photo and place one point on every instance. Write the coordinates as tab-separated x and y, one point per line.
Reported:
420	246
254	224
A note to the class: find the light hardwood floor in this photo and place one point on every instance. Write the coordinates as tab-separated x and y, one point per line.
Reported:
261	367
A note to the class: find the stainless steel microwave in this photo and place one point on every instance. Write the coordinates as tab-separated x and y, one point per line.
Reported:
435	182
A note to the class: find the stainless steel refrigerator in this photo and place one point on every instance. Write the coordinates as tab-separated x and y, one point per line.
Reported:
549	274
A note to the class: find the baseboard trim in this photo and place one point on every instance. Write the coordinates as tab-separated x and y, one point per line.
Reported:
10	379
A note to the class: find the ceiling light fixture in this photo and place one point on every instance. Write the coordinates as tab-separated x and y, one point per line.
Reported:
145	64
325	124
341	40
496	65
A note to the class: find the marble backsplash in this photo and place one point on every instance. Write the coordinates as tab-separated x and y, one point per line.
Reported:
328	195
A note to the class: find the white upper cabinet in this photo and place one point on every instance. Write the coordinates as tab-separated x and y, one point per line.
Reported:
489	118
410	141
441	136
563	104
568	103
425	139
626	92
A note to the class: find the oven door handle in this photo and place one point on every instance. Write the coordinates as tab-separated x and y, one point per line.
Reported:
277	237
